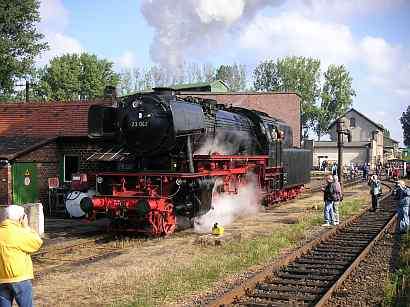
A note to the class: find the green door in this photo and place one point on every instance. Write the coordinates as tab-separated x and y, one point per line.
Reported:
25	188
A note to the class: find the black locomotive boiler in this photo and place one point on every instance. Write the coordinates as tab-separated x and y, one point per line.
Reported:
185	151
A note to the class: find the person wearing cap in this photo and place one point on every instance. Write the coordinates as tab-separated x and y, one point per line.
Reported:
328	197
337	198
17	242
375	191
402	195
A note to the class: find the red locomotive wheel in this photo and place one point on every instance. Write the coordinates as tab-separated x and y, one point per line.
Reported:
169	220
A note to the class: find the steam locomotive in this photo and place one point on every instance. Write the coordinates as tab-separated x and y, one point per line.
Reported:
185	152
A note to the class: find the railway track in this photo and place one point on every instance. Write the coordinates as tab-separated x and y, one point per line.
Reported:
309	276
84	252
54	258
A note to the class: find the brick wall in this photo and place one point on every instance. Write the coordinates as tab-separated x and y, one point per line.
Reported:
84	148
3	185
283	106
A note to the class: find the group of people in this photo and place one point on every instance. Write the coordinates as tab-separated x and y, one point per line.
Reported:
333	195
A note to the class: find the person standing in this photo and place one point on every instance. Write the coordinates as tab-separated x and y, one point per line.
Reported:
375	191
328	194
337	199
17	242
402	195
334	169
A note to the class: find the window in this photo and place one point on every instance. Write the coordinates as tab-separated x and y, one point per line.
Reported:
71	166
352	122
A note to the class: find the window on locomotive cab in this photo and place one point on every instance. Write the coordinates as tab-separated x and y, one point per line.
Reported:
352	122
71	166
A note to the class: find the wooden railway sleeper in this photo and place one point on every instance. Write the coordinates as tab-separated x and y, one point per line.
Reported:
286	275
287	288
321	261
307	283
308	273
281	296
309	266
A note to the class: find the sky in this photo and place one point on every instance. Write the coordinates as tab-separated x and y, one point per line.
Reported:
370	37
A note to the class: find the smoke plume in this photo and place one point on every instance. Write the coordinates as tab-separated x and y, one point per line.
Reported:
226	208
186	28
226	143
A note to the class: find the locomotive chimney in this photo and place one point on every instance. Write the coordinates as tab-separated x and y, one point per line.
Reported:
110	92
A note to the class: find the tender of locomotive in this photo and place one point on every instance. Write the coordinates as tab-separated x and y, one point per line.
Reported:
176	169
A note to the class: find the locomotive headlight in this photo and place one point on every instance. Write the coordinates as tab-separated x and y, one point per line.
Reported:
100	179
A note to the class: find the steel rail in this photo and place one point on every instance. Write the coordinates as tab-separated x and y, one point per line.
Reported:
241	291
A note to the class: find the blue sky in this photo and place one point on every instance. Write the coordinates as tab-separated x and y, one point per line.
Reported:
370	37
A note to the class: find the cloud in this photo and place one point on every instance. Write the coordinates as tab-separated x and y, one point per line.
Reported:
340	10
127	60
54	21
294	34
388	65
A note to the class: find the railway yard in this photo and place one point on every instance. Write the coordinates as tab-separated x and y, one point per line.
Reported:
277	257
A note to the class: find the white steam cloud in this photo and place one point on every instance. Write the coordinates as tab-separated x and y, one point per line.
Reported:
194	27
224	144
227	208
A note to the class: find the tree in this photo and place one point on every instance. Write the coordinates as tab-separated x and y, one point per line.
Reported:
234	76
298	74
405	123
73	76
336	97
20	42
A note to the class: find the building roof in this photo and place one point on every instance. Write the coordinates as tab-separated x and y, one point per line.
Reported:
12	147
361	114
332	144
46	120
389	142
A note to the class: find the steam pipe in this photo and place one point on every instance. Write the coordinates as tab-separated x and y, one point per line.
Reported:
189	154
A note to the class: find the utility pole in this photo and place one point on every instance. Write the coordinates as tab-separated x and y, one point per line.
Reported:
341	131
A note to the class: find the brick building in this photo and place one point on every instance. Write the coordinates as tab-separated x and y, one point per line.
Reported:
39	141
43	140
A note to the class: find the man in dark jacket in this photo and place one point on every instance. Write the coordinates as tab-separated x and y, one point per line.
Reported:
328	197
375	191
402	195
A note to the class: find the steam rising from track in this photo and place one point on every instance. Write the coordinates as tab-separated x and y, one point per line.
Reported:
186	28
227	208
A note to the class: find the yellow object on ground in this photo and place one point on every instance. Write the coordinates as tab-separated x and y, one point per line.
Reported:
217	230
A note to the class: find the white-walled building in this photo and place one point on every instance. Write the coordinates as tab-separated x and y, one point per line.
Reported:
366	146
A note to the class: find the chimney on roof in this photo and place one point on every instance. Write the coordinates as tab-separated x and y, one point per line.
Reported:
110	92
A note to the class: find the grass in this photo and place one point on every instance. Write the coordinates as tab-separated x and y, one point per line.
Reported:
397	288
216	263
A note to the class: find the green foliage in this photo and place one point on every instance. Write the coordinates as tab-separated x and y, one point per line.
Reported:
73	76
20	42
397	288
234	76
405	123
292	74
336	97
